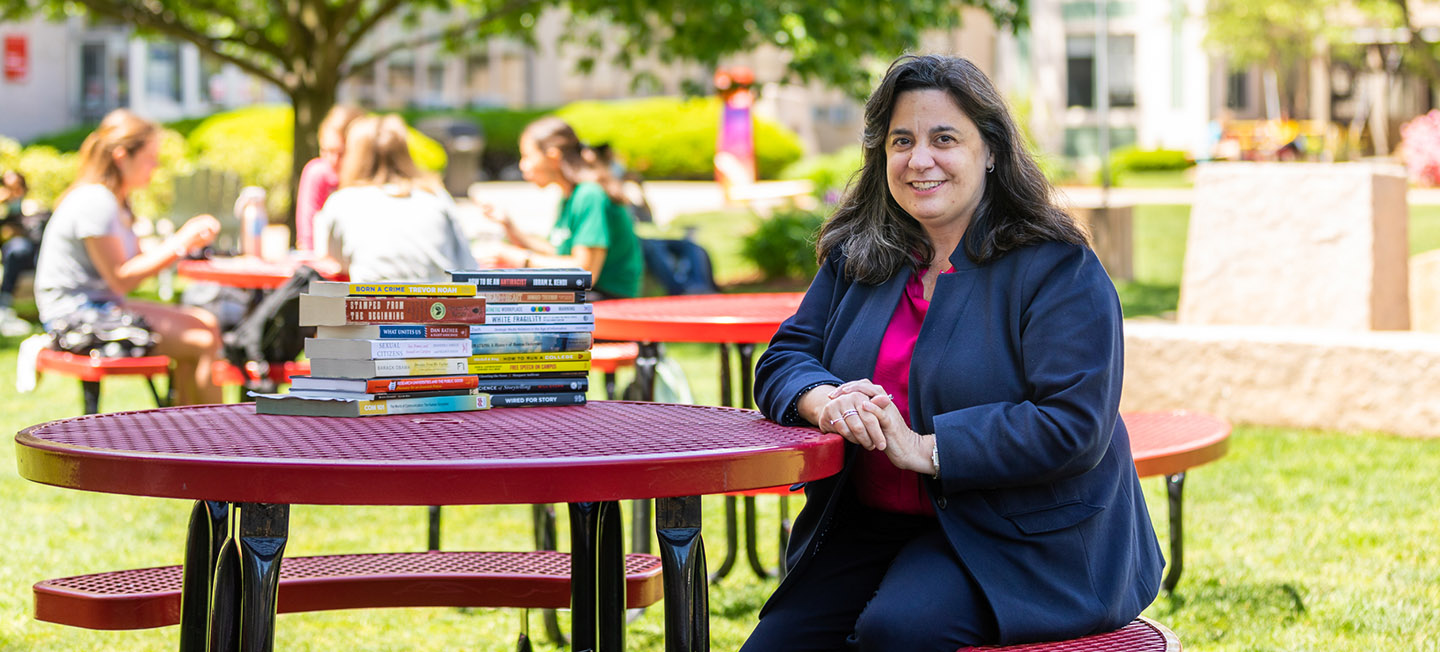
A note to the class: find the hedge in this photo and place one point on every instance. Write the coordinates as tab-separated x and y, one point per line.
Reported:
674	138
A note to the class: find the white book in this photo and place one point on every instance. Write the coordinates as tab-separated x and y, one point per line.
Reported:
530	328
333	368
537	308
386	349
492	319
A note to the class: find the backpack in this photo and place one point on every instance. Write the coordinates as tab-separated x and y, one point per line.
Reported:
271	332
681	266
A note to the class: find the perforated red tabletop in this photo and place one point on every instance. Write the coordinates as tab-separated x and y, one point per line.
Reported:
719	318
250	272
601	451
1165	443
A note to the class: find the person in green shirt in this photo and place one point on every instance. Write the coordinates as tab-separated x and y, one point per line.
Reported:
594	229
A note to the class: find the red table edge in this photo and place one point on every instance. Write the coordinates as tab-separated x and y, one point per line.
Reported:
701	329
579	479
1178	458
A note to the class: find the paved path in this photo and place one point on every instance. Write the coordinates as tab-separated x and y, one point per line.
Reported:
534	208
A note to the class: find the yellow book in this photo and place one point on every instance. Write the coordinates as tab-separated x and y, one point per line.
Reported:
508	358
341	289
527	367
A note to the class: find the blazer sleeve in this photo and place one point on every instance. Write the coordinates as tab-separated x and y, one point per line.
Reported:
791	364
1072	362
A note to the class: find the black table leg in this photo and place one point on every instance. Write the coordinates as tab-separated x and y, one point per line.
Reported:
682	558
1175	488
597	584
247	580
209	528
645	362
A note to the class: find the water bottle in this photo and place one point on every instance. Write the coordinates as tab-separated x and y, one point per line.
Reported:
250	209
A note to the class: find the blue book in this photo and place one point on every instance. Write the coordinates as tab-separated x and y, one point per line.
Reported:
492	343
285	404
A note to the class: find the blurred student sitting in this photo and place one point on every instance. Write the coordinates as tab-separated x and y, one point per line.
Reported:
389	220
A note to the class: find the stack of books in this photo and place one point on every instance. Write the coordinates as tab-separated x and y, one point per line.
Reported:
406	348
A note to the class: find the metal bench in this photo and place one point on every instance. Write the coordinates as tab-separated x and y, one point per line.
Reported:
1141	635
91	370
607	357
150	597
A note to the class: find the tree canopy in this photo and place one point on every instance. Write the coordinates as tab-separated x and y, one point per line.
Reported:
306	48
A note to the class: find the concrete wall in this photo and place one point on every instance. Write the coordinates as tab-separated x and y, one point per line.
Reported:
1298	244
1311	378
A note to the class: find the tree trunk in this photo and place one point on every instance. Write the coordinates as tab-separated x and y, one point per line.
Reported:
310	103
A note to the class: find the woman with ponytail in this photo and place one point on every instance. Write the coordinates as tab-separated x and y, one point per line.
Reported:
594	229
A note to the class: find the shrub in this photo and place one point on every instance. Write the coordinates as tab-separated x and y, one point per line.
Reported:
49	171
256	143
1133	159
830	173
1420	147
673	138
783	246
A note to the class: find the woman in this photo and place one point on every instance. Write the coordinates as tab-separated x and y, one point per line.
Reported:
594	230
19	239
91	257
965	341
321	176
389	221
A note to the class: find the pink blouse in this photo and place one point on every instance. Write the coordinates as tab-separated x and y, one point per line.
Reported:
879	483
317	180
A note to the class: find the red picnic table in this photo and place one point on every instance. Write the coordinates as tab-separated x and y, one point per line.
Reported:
743	320
226	456
1170	444
251	272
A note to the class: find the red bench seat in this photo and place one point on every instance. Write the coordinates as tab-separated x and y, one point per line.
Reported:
90	370
150	597
1141	635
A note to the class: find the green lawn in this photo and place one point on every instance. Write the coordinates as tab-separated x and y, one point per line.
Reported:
1297	539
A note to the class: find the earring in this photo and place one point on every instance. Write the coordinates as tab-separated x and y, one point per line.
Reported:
990	169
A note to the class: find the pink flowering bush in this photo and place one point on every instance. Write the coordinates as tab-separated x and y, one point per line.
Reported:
1420	146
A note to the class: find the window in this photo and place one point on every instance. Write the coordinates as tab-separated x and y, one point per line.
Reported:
1237	90
1080	70
162	71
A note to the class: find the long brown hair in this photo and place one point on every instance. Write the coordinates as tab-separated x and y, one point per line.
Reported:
120	130
579	162
378	154
879	238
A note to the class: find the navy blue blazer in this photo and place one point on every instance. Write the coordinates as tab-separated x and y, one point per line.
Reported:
1017	371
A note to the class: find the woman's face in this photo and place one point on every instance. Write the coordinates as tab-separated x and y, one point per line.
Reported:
935	161
137	167
332	146
537	166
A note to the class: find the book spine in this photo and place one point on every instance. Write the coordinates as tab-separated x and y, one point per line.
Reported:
425	405
525	400
525	375
419	367
322	394
518	385
386	349
393	331
527	279
334	289
492	308
510	358
383	385
528	367
540	318
338	311
500	296
530	328
497	343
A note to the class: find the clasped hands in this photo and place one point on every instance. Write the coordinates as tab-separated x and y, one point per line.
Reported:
863	413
